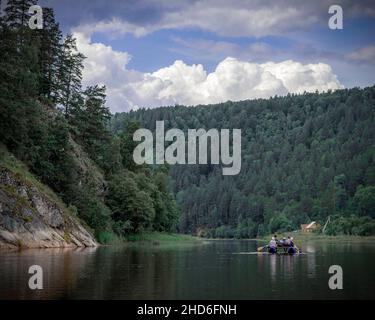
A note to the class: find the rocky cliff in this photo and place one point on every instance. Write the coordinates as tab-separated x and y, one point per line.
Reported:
34	218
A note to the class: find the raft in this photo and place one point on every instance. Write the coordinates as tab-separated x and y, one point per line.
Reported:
269	254
283	250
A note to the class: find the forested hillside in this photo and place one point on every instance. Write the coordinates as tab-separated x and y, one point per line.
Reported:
60	131
304	158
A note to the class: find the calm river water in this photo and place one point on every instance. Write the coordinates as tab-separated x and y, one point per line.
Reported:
220	269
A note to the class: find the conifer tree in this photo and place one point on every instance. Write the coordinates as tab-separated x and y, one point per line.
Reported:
17	13
69	74
50	50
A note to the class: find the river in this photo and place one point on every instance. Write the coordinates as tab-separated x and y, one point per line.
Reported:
219	269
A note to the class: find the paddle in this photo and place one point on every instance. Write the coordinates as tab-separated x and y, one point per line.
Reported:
299	251
261	248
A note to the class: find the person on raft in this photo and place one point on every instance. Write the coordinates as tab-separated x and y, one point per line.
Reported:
286	243
272	246
283	244
289	245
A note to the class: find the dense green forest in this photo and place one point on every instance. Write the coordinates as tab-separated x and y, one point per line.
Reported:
60	131
304	158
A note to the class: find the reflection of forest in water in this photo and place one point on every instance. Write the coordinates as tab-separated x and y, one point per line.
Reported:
210	270
61	269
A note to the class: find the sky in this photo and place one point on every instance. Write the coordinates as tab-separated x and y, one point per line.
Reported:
161	52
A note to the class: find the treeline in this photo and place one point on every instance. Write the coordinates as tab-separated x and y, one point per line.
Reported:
304	158
60	130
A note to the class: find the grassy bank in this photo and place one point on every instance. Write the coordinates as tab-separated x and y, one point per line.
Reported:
148	237
162	236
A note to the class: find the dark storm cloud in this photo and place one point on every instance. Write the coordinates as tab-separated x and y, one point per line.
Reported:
228	18
77	12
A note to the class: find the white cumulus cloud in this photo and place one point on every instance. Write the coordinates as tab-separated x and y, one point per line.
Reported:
181	83
298	77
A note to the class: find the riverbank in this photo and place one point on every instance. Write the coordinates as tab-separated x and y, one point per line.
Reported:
144	238
149	237
300	236
303	236
162	236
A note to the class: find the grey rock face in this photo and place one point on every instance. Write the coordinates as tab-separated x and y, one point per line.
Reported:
29	218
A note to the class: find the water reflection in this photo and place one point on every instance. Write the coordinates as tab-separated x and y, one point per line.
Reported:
60	270
273	267
311	261
211	270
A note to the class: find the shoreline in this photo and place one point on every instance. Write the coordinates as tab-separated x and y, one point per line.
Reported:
161	238
298	236
146	238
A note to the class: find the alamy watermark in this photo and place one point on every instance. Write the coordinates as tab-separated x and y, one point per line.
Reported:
36	280
336	280
336	21
197	139
36	20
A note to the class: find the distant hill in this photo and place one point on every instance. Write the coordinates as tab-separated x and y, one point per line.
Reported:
304	157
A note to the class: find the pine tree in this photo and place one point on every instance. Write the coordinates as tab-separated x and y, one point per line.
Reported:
18	84
96	113
69	74
127	144
17	13
89	116
1	16
50	50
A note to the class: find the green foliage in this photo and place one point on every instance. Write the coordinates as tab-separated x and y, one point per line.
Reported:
352	225
127	144
280	223
246	229
61	132
364	200
50	157
107	237
159	237
224	232
90	207
89	117
49	55
138	203
340	196
70	75
303	157
129	203
17	15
